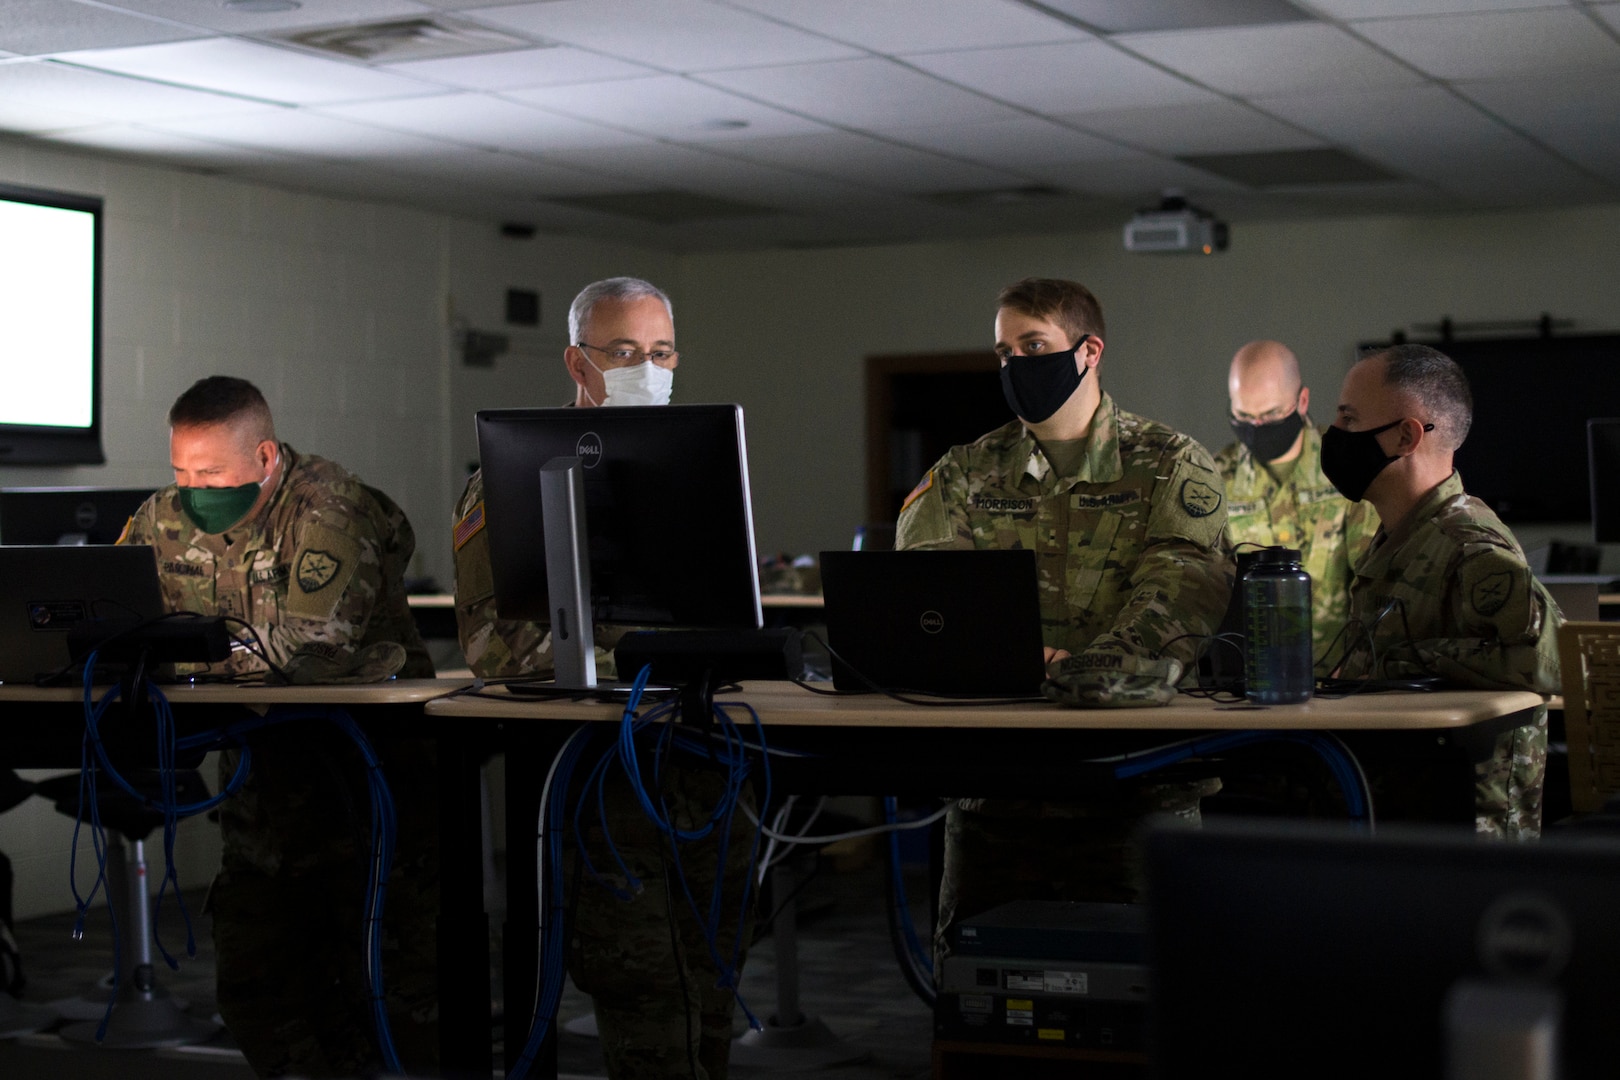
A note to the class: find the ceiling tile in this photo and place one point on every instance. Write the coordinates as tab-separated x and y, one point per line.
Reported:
1285	169
51	86
674	35
669	106
1609	13
650	165
214	15
299	131
1273	59
168	146
1009	144
1386	9
1218	127
30	113
479	120
33	27
257	71
1124	16
908	26
1576	115
1428	115
846	156
1075	77
866	93
1134	176
559	65
1494	44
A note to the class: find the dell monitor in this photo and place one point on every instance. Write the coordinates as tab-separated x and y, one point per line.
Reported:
67	515
663	509
1310	951
1603	466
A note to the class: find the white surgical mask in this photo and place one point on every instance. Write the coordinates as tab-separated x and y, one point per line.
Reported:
644	384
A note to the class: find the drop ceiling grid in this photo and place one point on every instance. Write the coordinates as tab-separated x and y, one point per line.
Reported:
985	93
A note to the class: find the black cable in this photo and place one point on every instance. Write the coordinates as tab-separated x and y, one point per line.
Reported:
907	697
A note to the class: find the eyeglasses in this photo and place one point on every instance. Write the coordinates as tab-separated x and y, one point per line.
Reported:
629	357
1266	417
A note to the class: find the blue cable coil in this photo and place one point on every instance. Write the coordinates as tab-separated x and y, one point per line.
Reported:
95	762
1327	747
732	755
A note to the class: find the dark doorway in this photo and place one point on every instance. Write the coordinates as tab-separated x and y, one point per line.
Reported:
917	407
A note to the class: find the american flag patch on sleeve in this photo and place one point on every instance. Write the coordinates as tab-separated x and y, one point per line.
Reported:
469	526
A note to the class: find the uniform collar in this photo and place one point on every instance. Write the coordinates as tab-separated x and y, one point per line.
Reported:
1449	488
1102	463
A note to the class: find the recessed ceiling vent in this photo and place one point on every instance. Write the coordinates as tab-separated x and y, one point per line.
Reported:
405	39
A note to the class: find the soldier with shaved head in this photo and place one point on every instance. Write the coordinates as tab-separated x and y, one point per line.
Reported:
1275	490
1444	590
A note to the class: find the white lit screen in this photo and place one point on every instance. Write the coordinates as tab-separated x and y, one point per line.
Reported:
47	315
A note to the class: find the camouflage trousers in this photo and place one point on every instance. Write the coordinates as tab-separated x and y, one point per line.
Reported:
1508	786
645	961
288	906
1051	851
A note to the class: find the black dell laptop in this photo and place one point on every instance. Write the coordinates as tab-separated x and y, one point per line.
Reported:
958	623
49	590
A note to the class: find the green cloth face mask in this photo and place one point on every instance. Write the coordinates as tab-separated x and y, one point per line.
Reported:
213	510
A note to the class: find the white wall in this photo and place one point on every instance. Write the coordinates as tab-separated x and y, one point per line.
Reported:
786	332
340	311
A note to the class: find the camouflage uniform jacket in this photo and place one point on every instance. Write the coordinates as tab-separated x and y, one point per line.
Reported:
1465	605
319	570
497	647
1131	550
1304	512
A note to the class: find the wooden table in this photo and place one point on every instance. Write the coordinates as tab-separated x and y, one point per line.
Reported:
874	745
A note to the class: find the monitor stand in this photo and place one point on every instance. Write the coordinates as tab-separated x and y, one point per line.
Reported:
568	574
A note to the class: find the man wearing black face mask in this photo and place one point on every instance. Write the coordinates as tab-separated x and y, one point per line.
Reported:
1275	490
1127	520
1444	589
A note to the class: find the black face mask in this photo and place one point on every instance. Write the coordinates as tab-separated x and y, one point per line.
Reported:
1038	386
1351	460
1268	442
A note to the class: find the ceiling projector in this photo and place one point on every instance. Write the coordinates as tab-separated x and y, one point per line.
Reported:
1176	226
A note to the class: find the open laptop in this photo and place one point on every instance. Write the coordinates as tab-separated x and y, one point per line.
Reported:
45	591
963	623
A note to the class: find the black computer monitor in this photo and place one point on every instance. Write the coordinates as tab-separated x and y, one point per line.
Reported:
67	515
1603	465
1311	951
667	512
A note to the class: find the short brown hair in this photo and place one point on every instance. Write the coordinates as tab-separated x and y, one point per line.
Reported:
1067	303
223	399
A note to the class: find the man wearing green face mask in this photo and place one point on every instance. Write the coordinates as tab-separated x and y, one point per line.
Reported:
312	561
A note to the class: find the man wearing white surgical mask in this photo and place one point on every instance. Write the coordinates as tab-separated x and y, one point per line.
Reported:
644	961
623	351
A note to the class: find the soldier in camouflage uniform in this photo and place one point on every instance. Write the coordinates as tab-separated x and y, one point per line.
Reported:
1128	523
1445	590
1276	493
645	962
312	560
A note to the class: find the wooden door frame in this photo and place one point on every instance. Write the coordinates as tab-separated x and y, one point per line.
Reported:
880	373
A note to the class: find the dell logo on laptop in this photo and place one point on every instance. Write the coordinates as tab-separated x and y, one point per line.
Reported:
589	449
932	622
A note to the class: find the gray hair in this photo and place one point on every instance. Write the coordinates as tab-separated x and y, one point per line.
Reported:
613	288
1438	385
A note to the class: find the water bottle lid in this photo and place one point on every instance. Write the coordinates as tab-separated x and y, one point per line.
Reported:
1277	555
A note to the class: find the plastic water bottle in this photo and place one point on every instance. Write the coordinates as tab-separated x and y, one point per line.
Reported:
1277	665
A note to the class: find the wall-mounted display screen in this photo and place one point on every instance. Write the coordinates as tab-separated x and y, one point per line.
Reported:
50	327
